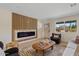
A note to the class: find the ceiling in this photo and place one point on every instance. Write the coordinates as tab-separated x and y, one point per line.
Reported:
43	10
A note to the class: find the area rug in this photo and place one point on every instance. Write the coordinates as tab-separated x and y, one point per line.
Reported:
57	51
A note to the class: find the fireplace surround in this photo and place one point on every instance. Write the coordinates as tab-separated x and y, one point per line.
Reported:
21	35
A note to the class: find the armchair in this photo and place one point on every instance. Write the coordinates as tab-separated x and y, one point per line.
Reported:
10	52
56	38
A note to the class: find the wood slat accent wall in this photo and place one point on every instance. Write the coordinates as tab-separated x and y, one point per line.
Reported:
20	22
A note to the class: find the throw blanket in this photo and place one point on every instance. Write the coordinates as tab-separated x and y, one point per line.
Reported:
2	52
70	50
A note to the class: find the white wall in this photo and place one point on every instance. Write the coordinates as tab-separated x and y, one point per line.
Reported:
5	25
66	36
40	29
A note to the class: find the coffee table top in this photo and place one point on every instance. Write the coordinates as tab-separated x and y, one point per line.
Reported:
41	45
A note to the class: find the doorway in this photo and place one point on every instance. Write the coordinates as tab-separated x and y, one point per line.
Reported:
46	30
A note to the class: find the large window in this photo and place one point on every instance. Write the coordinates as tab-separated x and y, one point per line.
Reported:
67	26
60	26
70	26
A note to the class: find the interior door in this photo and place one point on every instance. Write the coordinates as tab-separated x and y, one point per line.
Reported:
46	30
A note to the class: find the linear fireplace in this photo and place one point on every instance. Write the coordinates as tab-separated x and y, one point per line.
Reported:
25	34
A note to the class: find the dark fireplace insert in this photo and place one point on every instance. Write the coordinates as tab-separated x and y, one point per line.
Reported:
25	34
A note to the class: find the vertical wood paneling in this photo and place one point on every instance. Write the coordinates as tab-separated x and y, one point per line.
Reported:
20	22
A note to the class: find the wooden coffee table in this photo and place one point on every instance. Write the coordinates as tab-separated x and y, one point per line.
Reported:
41	48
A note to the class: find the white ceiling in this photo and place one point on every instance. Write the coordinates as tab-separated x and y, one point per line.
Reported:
43	10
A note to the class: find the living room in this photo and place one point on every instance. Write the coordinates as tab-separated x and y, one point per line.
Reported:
23	28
